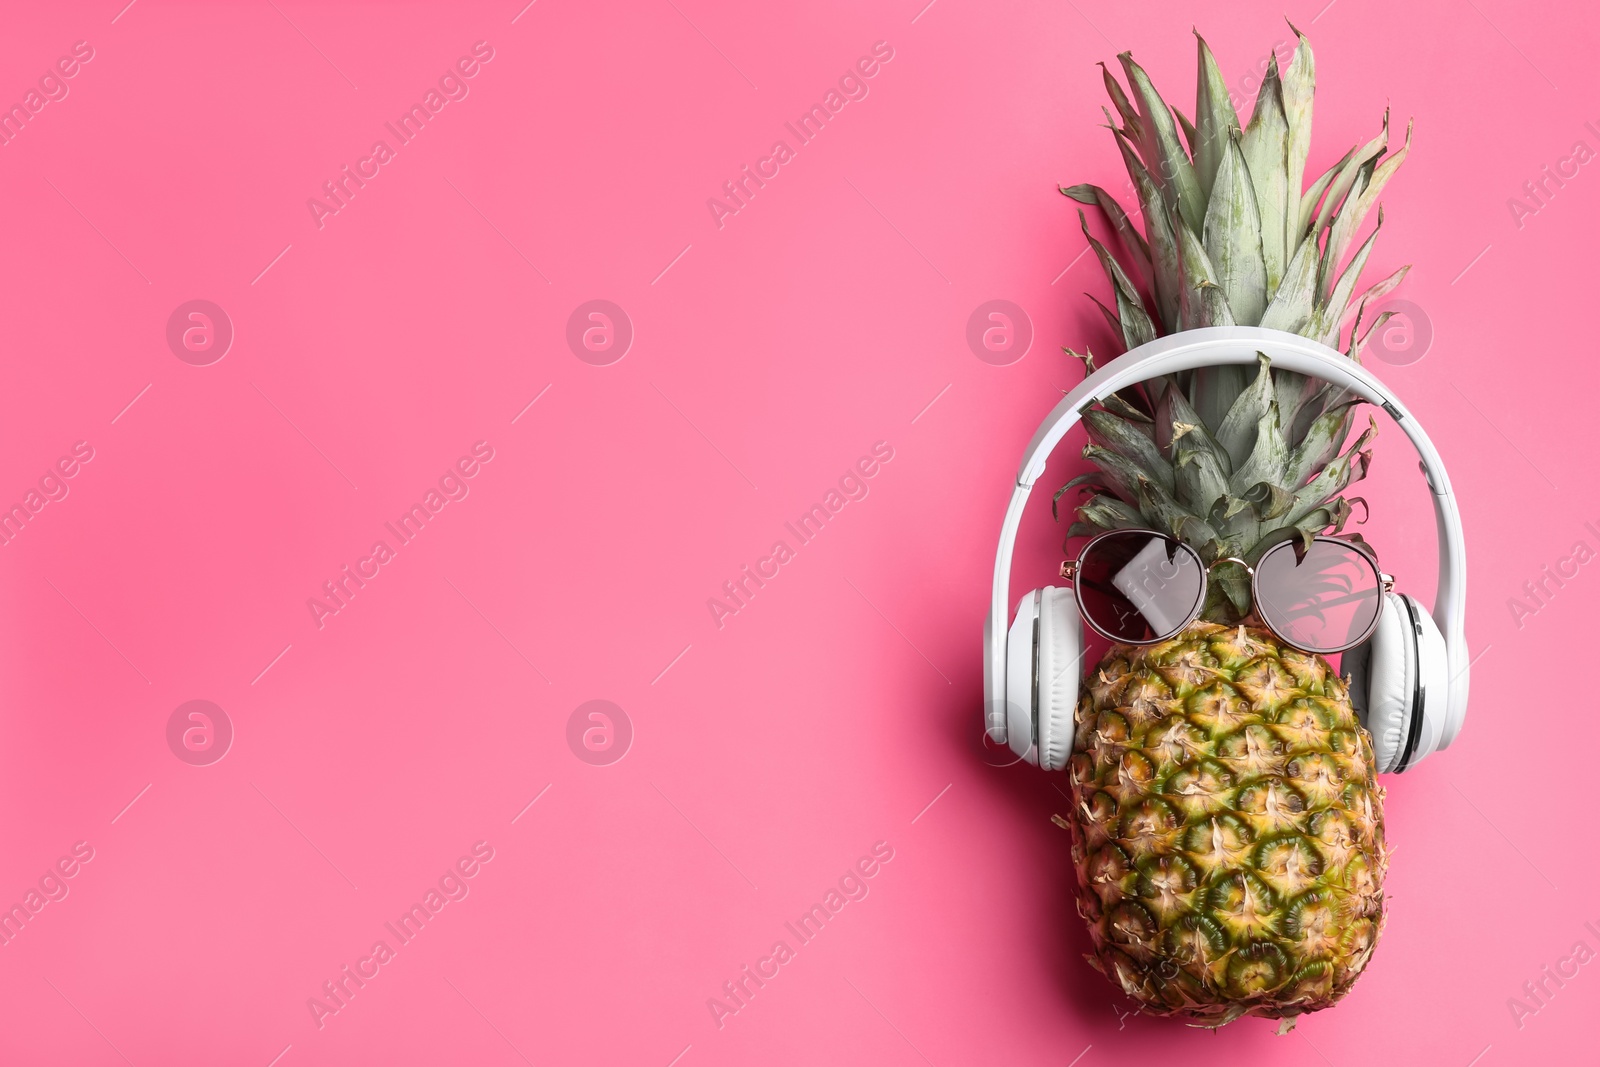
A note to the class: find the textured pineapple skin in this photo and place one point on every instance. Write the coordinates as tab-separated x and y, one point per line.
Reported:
1227	826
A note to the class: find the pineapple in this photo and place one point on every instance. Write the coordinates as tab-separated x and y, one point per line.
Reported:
1228	826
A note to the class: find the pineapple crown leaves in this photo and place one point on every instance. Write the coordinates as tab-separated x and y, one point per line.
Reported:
1229	460
1222	206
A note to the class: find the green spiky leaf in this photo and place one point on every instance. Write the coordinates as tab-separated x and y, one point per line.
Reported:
1169	516
1359	343
1313	195
1163	155
1091	479
1265	147
1189	428
1131	315
1352	215
1160	239
1111	319
1381	289
1237	433
1214	118
1299	86
1188	130
1122	474
1292	306
1200	479
1118	435
1195	271
1085	357
1117	405
1109	513
1119	99
1269	457
1233	235
1329	318
1346	177
1132	240
1333	479
1270	501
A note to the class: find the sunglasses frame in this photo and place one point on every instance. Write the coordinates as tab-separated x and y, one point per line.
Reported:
1069	570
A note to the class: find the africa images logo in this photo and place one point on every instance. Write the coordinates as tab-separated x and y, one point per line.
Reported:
52	486
453	886
852	85
53	88
52	887
340	590
452	86
852	885
741	590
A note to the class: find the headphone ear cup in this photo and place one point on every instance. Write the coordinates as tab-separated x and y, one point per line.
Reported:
1020	643
1433	668
1060	673
1383	674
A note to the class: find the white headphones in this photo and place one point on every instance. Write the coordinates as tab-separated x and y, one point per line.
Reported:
1408	681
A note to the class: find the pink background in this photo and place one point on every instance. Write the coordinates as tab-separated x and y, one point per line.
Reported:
770	754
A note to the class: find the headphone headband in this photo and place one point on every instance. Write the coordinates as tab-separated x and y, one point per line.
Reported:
1209	347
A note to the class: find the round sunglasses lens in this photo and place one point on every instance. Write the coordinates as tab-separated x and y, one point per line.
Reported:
1139	586
1322	599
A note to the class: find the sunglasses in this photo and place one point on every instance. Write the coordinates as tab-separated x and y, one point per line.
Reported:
1140	587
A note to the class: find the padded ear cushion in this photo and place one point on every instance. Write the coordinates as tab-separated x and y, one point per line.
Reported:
1021	642
1433	666
1382	678
1060	657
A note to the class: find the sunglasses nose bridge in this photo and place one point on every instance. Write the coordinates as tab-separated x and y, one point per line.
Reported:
1230	559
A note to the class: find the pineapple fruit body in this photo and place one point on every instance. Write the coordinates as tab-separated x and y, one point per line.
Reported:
1228	826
